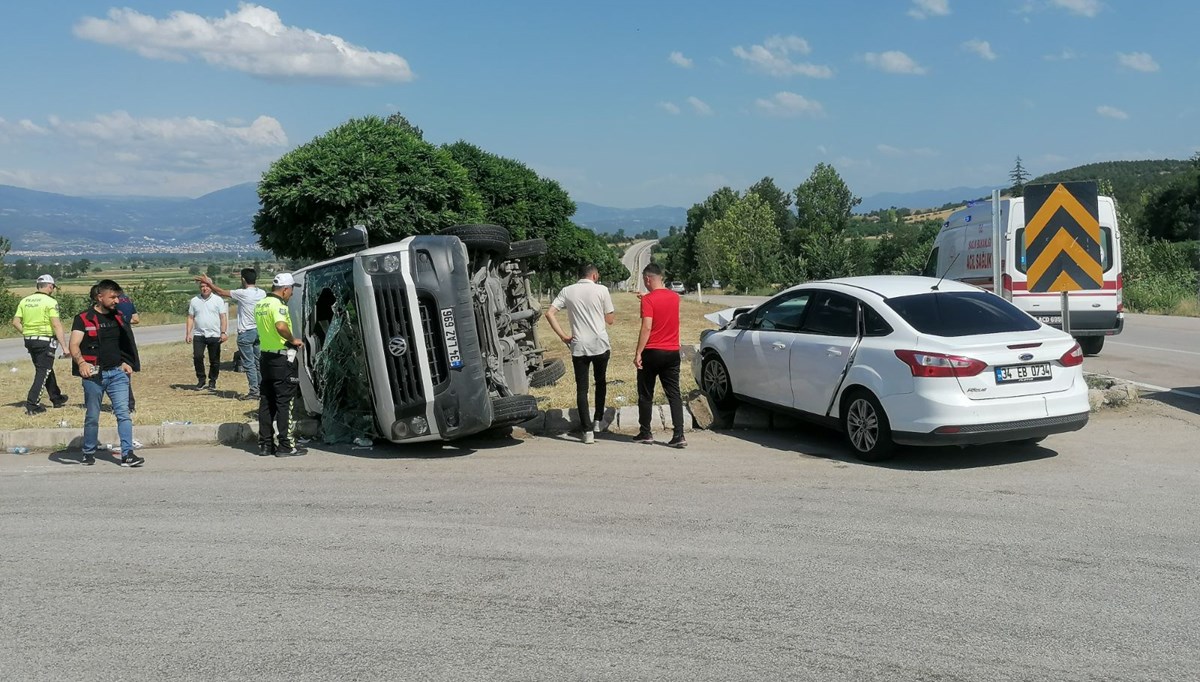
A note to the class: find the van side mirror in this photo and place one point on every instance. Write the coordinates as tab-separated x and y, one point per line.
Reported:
351	239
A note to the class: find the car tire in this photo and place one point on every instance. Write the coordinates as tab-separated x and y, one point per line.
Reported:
1091	345
866	427
490	238
527	248
548	375
716	383
512	410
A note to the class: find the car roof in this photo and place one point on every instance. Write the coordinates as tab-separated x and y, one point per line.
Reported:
891	286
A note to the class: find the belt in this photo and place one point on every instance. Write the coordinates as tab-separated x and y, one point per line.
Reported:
39	338
276	352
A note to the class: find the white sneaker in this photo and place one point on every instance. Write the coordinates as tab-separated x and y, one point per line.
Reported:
598	427
116	447
588	438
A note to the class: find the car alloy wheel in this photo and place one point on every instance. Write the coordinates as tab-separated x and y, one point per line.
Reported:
867	428
716	382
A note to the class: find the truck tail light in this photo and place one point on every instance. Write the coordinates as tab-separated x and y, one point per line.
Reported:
924	364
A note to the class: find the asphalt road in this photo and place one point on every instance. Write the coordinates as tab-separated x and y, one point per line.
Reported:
635	258
14	349
747	556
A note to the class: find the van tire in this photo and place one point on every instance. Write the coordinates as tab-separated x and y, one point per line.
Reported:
512	410
527	248
1091	345
490	238
548	375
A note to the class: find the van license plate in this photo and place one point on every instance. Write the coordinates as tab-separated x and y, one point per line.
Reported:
1015	374
450	331
1050	319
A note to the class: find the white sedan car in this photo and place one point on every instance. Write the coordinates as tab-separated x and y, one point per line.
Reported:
896	359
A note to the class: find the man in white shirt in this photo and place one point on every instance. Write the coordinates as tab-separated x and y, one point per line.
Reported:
247	331
207	328
590	310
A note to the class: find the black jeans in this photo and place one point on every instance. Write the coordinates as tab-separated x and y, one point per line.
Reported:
662	365
199	344
599	365
42	354
277	390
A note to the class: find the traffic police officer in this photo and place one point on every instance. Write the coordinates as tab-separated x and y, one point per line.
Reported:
37	320
278	363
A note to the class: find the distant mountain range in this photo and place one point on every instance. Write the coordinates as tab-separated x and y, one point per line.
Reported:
605	219
929	198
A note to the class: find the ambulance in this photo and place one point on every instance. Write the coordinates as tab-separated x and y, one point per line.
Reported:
963	251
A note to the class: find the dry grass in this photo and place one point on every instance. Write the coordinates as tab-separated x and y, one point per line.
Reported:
164	392
622	375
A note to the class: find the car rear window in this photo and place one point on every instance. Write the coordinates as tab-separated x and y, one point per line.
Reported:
961	313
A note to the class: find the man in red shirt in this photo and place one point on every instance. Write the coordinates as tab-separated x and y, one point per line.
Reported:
658	355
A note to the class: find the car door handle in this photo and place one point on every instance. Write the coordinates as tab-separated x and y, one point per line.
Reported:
779	345
833	352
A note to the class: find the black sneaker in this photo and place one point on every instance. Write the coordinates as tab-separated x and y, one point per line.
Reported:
131	460
36	409
643	438
212	385
200	385
678	442
293	452
88	459
62	400
252	395
265	451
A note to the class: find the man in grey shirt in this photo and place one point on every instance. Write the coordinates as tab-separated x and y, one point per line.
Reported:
590	310
207	328
247	330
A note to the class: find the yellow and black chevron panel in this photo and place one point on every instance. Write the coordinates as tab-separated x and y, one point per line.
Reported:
1062	237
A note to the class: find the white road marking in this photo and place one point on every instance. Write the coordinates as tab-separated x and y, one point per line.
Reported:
1164	350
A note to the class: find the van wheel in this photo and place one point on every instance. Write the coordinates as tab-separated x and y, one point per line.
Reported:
512	410
490	238
866	427
548	375
527	248
1091	345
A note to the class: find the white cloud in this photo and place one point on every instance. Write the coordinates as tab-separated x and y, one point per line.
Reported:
929	8
1066	54
894	61
788	105
679	60
699	106
1086	8
1111	112
889	150
774	57
669	107
120	127
980	47
1138	61
252	40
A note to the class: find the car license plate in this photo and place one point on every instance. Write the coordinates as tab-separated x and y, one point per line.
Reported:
450	331
1015	374
1050	319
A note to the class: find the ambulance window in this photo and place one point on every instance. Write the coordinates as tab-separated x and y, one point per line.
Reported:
931	264
1106	247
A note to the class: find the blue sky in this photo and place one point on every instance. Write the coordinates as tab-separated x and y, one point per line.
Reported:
625	103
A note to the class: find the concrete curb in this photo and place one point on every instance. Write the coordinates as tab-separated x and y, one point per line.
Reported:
228	433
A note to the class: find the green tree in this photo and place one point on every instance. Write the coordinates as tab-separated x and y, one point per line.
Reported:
681	259
400	121
365	171
779	201
1019	176
213	270
742	247
818	246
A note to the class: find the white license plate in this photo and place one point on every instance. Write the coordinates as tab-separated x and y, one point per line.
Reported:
1015	374
450	331
1050	319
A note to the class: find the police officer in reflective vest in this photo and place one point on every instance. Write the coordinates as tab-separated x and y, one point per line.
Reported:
279	366
37	320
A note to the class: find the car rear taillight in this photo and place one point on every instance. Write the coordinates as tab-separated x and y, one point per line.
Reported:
925	364
1073	357
1120	293
1006	287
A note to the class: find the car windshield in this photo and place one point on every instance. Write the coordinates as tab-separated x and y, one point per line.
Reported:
961	313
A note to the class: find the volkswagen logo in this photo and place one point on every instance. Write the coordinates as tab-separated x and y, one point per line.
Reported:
1023	357
398	346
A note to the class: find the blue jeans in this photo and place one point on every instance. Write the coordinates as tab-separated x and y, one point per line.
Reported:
114	383
248	346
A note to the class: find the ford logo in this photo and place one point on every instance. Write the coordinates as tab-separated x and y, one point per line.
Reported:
1023	357
397	346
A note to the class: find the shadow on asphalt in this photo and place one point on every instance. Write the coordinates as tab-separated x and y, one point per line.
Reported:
74	457
828	444
1179	402
499	439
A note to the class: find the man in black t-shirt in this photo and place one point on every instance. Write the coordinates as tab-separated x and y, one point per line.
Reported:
105	356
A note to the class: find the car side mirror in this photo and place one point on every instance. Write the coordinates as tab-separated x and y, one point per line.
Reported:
351	239
741	321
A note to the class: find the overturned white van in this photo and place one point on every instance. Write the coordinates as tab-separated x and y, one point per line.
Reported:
963	252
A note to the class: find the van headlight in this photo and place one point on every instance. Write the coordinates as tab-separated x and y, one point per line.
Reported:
372	265
391	263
